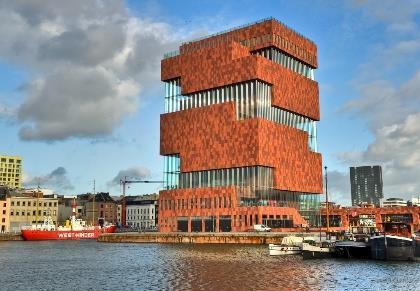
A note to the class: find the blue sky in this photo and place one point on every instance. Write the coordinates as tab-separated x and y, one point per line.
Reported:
105	60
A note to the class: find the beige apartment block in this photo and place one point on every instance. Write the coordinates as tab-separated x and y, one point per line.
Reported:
11	171
27	209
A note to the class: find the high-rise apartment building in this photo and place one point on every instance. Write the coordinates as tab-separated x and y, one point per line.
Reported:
11	171
239	131
366	185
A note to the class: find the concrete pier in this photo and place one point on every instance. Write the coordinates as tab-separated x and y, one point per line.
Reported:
10	236
199	238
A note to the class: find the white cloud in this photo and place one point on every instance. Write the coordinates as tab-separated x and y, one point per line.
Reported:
393	114
131	173
399	16
339	187
56	180
89	61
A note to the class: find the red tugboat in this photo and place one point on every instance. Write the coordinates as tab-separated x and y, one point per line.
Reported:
75	229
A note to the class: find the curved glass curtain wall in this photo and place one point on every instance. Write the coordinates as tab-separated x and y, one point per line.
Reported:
171	171
277	56
309	208
254	185
252	100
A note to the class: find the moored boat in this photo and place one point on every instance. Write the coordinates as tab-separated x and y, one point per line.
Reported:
396	243
353	246
75	229
317	250
417	247
290	245
352	249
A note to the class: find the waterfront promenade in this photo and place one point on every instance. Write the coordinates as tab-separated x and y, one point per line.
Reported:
10	236
256	238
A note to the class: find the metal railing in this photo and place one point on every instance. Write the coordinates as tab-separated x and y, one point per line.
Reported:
177	52
246	25
171	54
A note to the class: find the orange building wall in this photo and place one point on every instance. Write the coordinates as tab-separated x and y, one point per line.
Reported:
292	43
229	63
346	213
168	213
211	138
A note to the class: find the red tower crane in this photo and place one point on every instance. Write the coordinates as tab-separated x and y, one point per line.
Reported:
124	182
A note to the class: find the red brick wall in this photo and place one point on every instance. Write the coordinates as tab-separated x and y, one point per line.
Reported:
295	44
168	217
211	138
230	62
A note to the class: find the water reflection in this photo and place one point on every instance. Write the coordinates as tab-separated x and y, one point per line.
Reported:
87	265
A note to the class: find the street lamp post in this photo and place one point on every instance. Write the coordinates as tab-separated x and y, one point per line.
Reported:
326	200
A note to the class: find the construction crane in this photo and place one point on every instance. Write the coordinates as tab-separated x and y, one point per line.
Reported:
124	182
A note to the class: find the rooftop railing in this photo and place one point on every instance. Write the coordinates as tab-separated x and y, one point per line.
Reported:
171	54
244	26
177	52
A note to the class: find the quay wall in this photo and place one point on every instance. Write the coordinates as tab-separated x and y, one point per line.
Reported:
199	238
10	236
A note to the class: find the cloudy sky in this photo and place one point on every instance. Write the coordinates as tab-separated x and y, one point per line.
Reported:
80	94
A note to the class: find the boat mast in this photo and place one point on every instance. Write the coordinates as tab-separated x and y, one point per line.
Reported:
37	204
123	205
73	213
93	204
326	200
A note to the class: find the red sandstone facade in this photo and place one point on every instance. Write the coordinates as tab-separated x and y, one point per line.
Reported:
211	137
350	218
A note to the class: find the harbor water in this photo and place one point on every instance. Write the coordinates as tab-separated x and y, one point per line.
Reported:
89	265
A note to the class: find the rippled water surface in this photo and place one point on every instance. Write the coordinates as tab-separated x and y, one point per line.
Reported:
88	265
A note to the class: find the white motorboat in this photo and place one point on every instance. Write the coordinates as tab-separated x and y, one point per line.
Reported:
314	250
290	245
